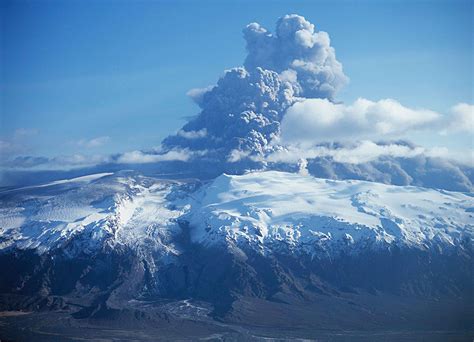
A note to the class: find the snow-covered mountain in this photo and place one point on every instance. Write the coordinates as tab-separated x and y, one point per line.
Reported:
273	210
259	242
260	210
94	210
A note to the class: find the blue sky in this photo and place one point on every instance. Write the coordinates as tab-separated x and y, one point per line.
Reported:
75	71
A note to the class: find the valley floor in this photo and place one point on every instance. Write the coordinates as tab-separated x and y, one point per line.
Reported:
186	320
58	326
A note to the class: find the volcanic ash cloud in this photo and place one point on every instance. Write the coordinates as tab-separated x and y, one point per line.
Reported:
241	114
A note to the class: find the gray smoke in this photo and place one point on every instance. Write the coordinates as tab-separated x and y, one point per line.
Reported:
278	112
241	115
302	56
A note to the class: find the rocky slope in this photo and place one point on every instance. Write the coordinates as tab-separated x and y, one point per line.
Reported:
99	241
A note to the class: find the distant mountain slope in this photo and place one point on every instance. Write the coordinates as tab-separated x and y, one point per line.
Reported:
99	209
258	242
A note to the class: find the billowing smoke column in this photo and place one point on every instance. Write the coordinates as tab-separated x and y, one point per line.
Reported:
278	112
242	113
299	54
256	115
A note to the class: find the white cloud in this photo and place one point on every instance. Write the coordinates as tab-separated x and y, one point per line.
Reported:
462	156
93	143
236	155
139	157
361	152
461	119
62	162
365	151
197	94
193	134
78	160
315	120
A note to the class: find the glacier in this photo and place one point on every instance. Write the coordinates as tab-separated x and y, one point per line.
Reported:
268	209
262	210
98	209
